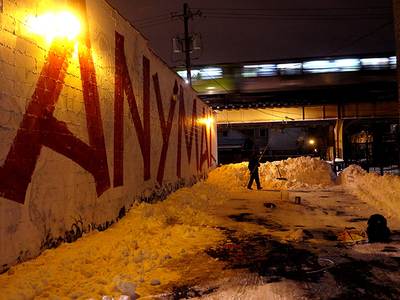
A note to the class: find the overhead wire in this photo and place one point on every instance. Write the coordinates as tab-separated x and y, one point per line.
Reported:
312	13
152	18
300	17
362	37
258	13
152	21
155	24
355	19
270	114
294	9
155	20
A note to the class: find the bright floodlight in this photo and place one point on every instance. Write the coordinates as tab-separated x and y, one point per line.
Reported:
206	121
311	141
55	24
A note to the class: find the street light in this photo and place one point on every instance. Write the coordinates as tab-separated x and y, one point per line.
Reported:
206	121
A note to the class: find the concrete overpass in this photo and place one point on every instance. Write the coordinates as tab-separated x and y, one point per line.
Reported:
332	92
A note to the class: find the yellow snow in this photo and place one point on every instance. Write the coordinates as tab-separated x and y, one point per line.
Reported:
166	241
134	250
299	172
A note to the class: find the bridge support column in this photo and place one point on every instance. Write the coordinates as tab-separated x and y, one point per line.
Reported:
338	133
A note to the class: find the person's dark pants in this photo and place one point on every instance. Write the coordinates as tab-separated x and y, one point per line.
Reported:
254	176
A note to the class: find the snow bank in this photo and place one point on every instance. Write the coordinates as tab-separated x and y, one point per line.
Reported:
127	257
382	192
301	172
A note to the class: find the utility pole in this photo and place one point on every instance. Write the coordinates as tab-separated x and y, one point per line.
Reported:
187	39
186	16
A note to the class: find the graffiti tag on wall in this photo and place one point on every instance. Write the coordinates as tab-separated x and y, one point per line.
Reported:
40	128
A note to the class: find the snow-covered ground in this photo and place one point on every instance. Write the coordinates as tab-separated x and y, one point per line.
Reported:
217	240
382	192
130	254
300	172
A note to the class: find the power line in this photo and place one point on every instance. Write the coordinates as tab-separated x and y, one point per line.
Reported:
154	24
288	18
270	114
296	9
298	15
153	17
290	15
154	21
364	36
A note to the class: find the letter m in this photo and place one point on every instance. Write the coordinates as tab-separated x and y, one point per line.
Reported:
190	132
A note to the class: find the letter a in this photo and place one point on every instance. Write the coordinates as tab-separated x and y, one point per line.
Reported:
39	127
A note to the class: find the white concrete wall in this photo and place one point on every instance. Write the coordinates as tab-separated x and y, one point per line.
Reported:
60	194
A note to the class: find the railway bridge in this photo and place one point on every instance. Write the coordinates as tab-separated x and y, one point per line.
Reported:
333	107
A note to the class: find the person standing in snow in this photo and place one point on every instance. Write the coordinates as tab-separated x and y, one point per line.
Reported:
253	168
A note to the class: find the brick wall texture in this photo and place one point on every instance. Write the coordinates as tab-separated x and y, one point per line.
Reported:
88	126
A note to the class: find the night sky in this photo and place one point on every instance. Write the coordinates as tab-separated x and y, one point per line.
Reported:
260	30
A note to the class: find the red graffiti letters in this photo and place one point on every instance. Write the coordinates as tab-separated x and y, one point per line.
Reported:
212	157
165	126
182	122
204	157
123	85
39	128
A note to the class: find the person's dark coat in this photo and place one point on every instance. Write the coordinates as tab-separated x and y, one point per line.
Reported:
253	164
253	168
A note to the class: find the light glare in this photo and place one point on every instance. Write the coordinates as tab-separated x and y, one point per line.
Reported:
206	121
52	25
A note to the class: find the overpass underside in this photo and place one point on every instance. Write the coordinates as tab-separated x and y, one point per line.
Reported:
358	110
351	116
365	133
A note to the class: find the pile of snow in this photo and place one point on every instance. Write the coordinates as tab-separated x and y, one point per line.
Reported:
300	172
382	192
127	258
230	176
